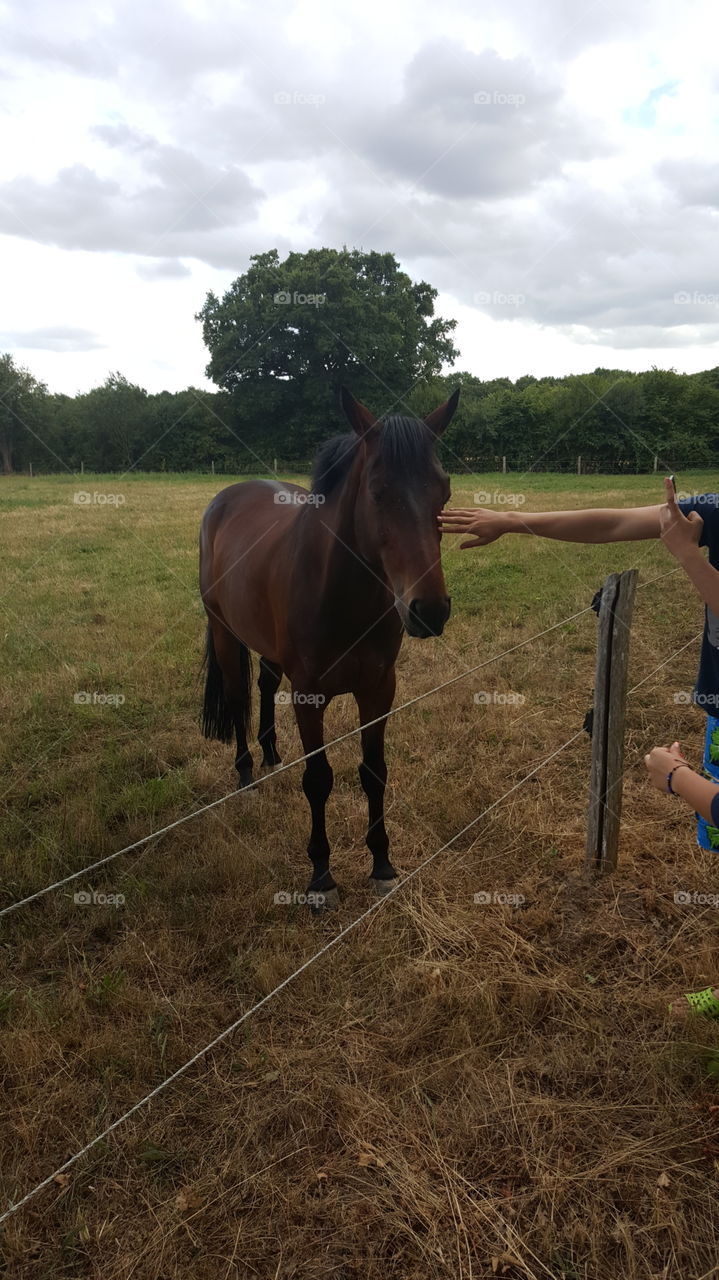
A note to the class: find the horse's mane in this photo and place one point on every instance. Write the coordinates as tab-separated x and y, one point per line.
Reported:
406	445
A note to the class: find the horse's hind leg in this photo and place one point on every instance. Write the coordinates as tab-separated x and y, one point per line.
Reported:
268	682
317	783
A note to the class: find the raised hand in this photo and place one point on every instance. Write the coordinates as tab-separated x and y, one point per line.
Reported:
678	532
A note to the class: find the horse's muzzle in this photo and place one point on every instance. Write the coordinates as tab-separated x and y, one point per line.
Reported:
427	617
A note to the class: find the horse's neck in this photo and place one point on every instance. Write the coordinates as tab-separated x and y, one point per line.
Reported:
343	571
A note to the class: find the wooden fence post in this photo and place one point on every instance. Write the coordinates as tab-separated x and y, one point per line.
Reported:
504	466
610	698
579	465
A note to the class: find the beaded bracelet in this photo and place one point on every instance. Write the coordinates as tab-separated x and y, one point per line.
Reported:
670	775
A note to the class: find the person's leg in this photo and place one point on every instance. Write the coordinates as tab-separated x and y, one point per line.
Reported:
708	835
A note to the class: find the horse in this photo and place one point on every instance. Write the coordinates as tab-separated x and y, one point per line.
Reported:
322	584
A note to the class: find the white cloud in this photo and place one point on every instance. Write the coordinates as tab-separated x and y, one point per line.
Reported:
149	150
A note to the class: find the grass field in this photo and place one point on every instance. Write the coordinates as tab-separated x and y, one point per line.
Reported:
457	1090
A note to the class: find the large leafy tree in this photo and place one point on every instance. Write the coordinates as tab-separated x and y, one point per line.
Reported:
22	414
287	334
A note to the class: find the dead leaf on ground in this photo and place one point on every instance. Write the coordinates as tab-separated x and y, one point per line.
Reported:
366	1159
187	1199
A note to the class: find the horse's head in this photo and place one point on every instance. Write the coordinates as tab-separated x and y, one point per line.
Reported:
402	489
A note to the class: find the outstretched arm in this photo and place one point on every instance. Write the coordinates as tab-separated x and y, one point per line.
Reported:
482	526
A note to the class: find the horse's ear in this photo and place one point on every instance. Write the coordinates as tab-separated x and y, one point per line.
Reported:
359	418
439	419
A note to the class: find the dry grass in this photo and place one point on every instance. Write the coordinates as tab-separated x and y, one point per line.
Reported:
456	1090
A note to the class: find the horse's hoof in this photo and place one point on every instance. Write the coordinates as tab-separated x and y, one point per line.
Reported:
269	768
244	779
321	901
383	887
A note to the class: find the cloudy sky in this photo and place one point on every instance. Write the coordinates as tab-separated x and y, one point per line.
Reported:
551	168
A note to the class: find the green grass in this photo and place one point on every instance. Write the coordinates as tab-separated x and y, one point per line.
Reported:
510	1096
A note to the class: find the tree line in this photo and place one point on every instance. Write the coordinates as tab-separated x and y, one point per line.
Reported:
284	338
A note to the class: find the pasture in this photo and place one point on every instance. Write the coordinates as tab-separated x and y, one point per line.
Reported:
460	1089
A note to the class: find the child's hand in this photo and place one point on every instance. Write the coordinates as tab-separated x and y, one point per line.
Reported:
483	526
660	761
678	532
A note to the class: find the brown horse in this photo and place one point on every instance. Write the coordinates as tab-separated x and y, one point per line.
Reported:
321	584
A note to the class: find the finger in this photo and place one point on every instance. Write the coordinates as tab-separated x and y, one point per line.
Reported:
669	493
473	542
695	518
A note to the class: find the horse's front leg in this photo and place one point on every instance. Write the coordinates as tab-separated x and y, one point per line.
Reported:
317	785
373	776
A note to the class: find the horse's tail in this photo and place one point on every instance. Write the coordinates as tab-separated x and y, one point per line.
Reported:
221	716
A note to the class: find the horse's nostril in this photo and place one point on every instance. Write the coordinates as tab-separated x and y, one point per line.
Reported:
429	616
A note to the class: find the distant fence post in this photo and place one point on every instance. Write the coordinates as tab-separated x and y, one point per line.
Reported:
82	468
31	471
275	465
504	466
656	462
610	698
579	465
212	466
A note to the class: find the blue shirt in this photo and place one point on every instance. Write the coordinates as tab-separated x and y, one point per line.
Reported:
706	691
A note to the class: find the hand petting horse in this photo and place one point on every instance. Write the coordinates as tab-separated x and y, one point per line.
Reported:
321	585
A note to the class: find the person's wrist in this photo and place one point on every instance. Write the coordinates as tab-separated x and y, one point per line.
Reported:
511	522
687	553
676	775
